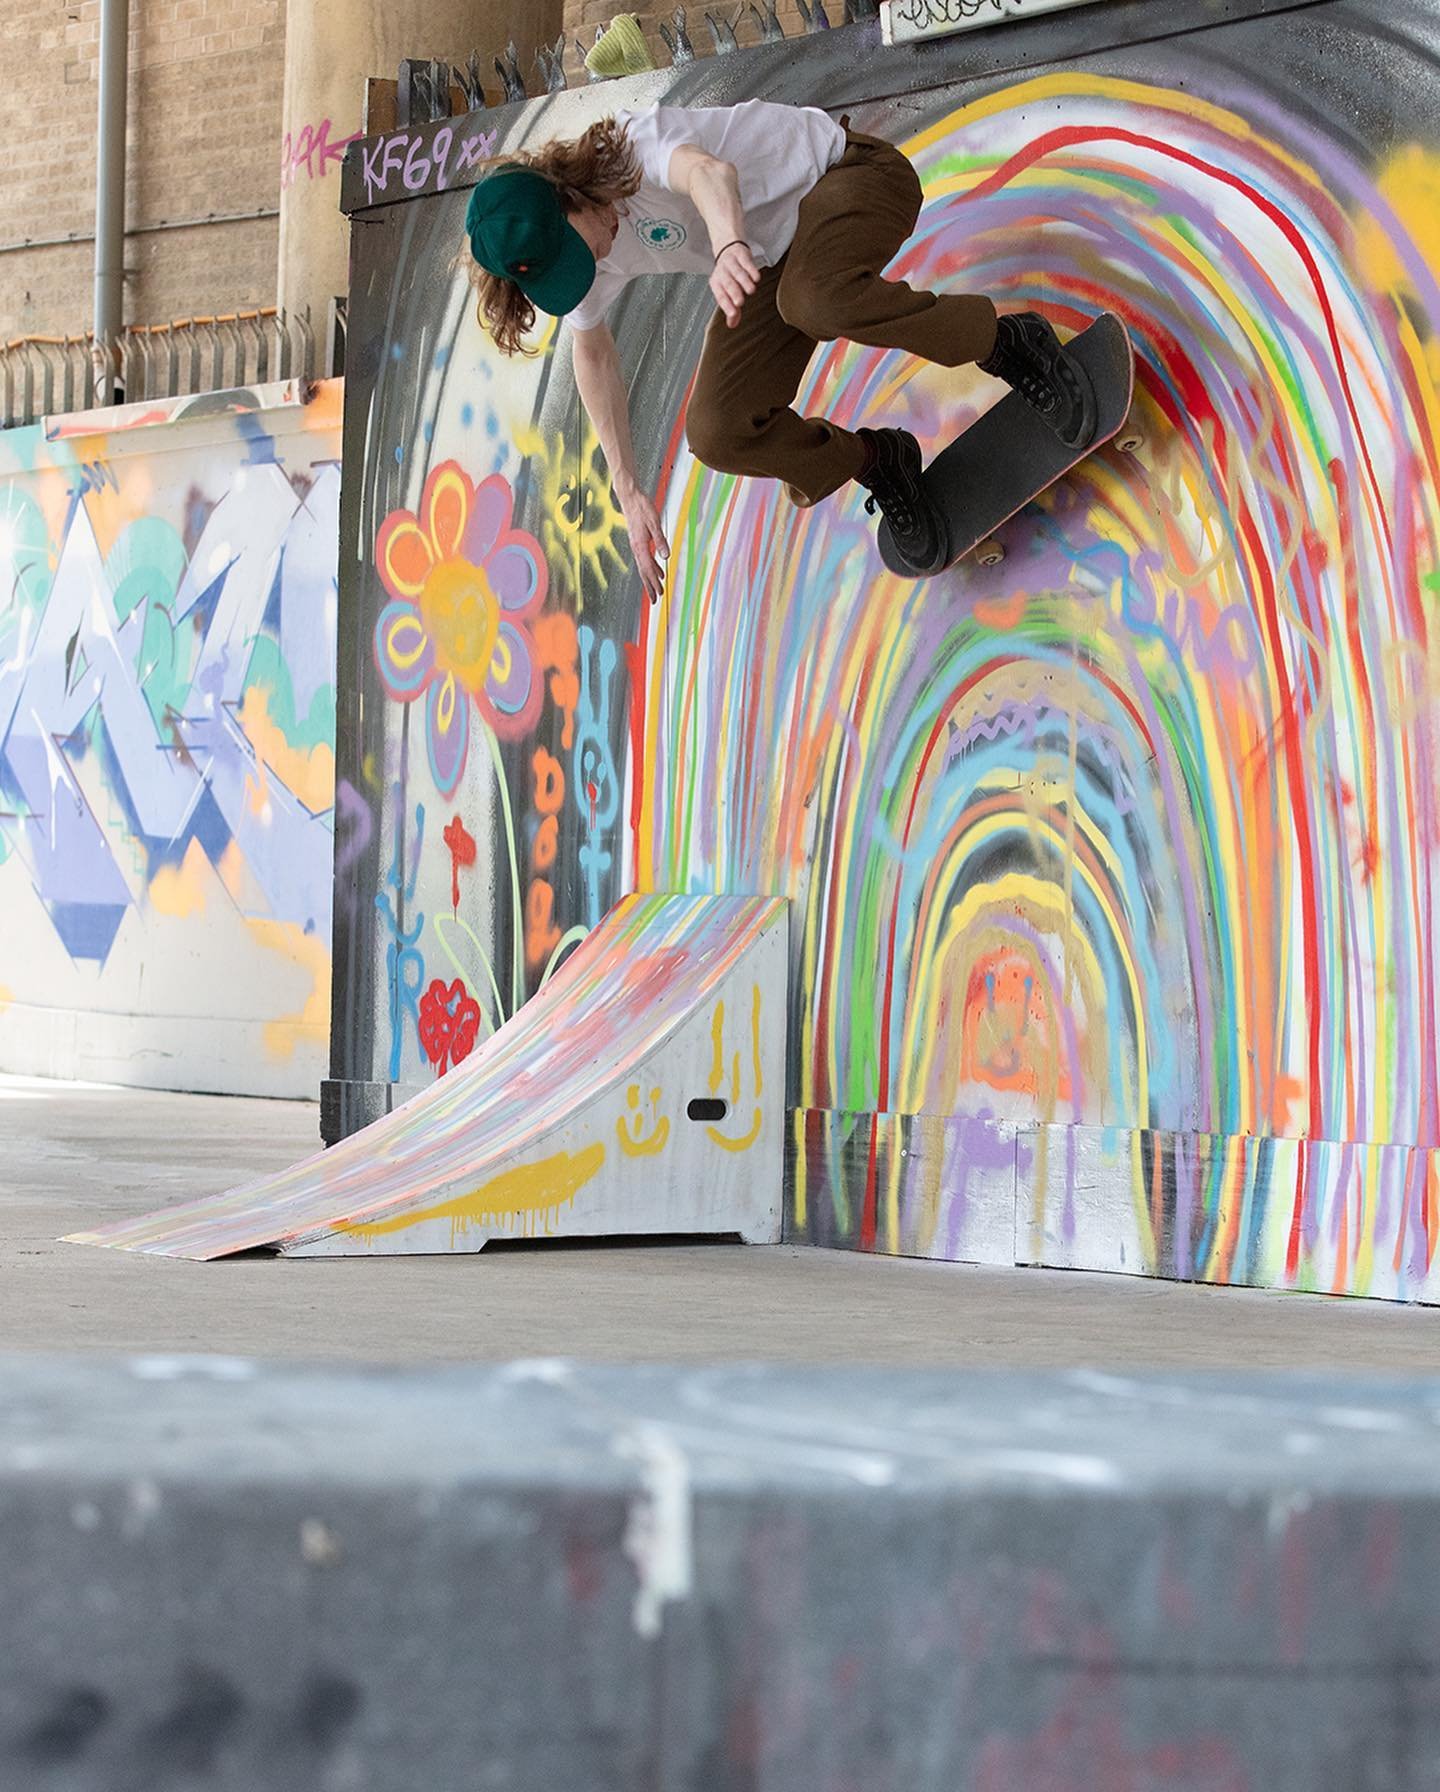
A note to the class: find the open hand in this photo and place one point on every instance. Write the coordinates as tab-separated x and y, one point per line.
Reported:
733	278
647	540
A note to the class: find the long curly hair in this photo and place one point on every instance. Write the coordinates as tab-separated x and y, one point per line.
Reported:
599	167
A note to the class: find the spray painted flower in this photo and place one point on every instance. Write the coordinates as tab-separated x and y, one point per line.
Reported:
463	587
449	1022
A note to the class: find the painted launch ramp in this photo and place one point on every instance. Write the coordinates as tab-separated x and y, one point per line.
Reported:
641	1091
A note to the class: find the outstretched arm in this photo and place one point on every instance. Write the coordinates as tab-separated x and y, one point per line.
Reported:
602	392
713	188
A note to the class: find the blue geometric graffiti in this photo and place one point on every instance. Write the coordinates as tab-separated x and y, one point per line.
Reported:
122	678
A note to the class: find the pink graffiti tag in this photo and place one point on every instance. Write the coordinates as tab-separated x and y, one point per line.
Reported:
311	149
414	159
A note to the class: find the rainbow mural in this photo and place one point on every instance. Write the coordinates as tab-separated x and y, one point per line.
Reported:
1138	829
1112	869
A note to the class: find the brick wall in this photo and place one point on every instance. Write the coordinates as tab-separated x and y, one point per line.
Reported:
206	86
206	80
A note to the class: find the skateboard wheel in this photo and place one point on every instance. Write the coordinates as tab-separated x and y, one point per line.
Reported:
990	553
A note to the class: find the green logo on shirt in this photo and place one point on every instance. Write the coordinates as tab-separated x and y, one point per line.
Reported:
660	233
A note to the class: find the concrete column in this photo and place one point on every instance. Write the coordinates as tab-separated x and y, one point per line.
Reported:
331	47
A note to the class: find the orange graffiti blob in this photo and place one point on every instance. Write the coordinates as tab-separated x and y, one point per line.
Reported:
557	652
1001	612
180	890
542	936
1008	1035
307	772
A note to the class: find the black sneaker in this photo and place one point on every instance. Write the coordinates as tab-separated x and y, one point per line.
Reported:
1029	356
894	482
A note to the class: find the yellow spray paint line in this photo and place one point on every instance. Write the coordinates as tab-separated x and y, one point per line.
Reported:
536	1188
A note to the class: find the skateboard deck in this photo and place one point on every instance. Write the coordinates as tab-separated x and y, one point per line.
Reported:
1010	455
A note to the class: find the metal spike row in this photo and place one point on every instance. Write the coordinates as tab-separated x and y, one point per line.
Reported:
768	23
406	98
467	79
440	90
422	92
722	31
678	44
509	72
551	63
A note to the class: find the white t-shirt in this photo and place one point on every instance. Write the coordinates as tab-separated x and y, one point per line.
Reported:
778	153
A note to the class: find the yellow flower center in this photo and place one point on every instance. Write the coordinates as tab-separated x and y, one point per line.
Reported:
462	618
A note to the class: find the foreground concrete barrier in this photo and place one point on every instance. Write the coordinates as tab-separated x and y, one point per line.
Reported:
545	1578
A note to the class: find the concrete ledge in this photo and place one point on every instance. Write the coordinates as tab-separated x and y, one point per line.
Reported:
554	1579
193	1054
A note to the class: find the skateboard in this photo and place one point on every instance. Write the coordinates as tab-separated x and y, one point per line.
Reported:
1010	455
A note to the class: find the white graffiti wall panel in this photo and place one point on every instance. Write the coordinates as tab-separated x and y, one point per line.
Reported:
167	722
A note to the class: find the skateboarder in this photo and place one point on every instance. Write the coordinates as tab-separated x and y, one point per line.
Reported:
793	218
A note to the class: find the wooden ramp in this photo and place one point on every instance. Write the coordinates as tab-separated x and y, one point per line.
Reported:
642	1090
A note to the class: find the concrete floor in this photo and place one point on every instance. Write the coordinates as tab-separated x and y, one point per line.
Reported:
72	1154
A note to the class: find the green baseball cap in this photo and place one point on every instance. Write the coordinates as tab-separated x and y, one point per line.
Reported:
518	230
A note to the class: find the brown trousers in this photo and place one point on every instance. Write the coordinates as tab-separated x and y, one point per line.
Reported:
828	284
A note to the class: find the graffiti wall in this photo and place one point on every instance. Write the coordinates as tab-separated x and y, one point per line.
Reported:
167	722
1113	867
